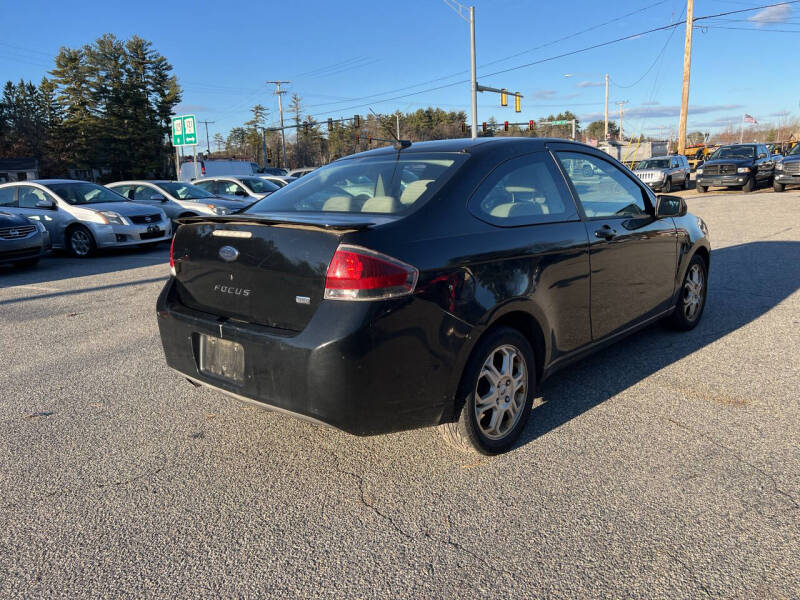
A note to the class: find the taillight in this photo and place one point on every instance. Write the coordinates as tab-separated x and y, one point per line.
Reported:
357	273
172	257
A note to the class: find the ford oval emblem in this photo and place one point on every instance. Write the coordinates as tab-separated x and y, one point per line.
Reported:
228	253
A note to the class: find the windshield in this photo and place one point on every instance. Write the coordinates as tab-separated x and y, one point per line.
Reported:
274	171
185	191
258	185
653	163
82	192
387	184
734	152
794	151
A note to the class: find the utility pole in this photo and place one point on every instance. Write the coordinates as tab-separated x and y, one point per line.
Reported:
621	104
606	138
279	92
398	124
687	67
459	9
208	143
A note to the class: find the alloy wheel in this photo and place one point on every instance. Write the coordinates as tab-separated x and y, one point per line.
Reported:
693	290
501	392
80	242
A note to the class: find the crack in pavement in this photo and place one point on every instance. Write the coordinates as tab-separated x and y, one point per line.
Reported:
688	570
741	459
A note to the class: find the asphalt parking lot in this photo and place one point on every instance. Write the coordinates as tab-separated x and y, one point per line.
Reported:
666	466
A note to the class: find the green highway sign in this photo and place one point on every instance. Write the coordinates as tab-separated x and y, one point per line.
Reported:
560	122
184	130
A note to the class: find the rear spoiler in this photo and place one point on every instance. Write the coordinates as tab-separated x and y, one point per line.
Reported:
321	221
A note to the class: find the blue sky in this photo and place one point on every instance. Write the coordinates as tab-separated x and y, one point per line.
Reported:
346	57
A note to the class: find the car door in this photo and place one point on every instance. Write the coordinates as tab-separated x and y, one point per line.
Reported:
231	189
633	255
143	194
538	249
29	199
764	163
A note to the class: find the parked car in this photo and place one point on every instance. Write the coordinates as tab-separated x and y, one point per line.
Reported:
662	173
736	165
248	189
787	170
273	171
301	171
22	241
82	216
176	198
446	303
214	167
279	180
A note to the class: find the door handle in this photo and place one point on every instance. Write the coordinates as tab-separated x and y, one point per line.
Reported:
605	232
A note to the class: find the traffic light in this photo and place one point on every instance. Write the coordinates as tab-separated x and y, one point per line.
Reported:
463	127
330	124
356	121
531	125
504	97
358	137
505	125
484	127
369	141
517	103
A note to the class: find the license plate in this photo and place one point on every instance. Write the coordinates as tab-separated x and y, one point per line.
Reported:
221	358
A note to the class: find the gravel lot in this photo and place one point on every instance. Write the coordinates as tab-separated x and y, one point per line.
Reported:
666	466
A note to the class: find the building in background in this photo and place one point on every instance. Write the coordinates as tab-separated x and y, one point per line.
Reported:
18	169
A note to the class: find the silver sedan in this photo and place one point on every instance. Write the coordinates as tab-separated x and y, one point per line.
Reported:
82	216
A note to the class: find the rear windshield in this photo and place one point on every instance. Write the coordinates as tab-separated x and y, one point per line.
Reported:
258	185
391	184
84	193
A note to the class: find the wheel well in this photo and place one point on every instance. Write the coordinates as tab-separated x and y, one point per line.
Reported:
703	253
530	328
73	226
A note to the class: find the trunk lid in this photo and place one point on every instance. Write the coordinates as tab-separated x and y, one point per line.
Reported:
265	269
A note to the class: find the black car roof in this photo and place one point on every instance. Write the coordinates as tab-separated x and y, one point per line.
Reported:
468	145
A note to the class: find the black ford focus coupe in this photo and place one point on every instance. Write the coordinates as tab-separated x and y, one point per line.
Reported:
431	284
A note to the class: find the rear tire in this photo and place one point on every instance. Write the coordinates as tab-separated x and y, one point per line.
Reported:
687	182
778	187
80	242
495	396
667	185
692	297
702	189
750	185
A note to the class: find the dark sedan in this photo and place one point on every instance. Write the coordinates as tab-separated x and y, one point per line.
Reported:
22	242
442	293
738	165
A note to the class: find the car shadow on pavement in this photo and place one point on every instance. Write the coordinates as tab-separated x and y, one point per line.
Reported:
60	266
745	282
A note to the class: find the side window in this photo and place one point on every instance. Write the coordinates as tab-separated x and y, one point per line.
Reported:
527	190
206	185
603	189
231	188
29	196
122	190
142	193
8	197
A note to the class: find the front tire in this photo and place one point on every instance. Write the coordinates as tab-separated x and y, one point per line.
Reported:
701	189
778	187
692	297
667	186
750	185
80	242
495	396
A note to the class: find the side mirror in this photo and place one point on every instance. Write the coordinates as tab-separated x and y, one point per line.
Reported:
47	204
762	155
158	197
240	192
670	206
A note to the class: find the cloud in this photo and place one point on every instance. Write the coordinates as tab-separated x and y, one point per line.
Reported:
664	112
543	94
783	113
651	103
587	84
780	13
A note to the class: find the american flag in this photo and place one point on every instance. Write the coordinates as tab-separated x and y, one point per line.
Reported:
750	119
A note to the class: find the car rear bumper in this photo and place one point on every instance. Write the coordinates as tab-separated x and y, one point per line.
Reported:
363	367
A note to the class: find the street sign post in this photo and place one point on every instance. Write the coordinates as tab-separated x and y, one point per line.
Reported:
184	133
